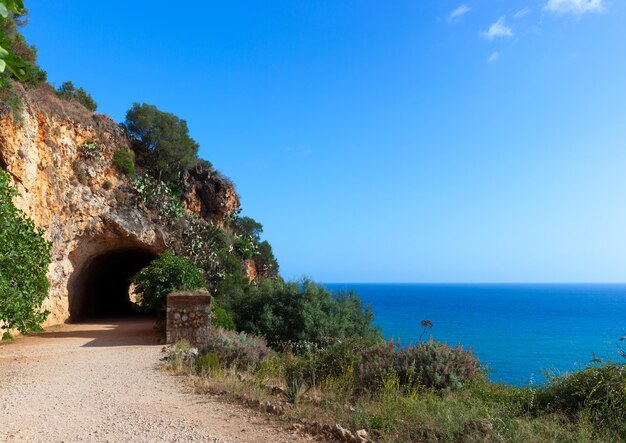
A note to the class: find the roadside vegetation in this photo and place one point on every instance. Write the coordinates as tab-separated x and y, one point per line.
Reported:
427	392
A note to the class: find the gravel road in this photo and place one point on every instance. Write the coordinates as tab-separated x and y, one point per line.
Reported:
100	383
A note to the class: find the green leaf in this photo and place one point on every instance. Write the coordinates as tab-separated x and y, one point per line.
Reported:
3	65
3	52
4	12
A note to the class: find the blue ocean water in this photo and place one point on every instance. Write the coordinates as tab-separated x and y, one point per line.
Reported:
518	331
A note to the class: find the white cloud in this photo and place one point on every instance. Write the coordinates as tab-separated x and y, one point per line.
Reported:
458	12
498	29
577	7
522	13
493	57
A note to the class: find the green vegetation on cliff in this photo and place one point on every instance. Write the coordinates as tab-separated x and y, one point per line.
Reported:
67	91
161	141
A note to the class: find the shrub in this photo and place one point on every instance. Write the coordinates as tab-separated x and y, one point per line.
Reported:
436	365
67	91
90	150
375	361
237	348
125	160
292	312
432	365
249	230
265	261
208	363
24	261
161	141
222	318
166	274
312	365
596	392
159	197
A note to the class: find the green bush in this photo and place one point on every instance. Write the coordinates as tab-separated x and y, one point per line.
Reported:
249	230
125	160
24	261
67	91
436	365
208	364
159	197
310	365
90	150
597	393
431	365
222	318
166	274
299	311
265	261
237	348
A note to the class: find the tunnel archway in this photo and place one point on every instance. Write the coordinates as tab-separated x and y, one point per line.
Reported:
100	287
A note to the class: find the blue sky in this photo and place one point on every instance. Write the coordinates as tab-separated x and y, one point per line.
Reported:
378	141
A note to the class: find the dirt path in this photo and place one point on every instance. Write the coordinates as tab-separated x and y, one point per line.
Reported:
99	383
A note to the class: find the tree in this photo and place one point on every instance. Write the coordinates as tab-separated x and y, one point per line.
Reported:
161	141
24	261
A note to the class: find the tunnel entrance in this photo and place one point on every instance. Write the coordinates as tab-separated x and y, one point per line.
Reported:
101	287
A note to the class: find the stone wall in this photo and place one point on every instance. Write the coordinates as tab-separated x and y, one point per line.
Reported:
189	317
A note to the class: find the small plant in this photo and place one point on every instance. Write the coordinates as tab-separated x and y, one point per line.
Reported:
426	325
436	365
296	387
125	160
208	364
237	348
90	150
17	105
80	173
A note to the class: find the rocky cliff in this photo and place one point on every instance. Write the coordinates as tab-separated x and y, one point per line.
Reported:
60	158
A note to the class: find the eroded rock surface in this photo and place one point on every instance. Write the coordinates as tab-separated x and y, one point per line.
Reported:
60	158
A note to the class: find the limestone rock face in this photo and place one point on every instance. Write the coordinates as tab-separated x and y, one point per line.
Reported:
210	195
60	158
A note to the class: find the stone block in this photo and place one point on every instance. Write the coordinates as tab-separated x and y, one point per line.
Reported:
189	317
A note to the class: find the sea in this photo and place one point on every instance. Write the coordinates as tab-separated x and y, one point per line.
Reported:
522	333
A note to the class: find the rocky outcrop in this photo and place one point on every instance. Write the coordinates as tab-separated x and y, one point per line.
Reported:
210	195
60	158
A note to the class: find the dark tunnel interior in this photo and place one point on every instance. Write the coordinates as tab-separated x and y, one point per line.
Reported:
102	287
